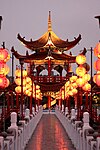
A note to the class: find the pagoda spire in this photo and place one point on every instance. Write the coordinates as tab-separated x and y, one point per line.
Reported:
49	22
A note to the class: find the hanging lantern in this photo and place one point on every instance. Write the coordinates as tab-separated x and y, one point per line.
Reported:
87	87
97	65
18	73
97	79
4	82
28	86
67	83
86	77
94	78
80	59
80	71
73	78
97	50
70	93
74	85
3	55
28	79
4	69
18	81
24	73
74	91
7	58
80	82
18	89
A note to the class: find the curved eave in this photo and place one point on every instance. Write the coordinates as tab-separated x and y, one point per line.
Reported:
41	42
66	45
33	45
42	56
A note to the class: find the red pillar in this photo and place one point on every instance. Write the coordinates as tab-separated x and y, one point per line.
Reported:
49	102
17	102
49	67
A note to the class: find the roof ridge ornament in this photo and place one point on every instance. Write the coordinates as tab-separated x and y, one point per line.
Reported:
49	22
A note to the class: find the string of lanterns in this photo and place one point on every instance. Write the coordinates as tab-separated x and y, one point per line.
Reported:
96	77
28	87
4	69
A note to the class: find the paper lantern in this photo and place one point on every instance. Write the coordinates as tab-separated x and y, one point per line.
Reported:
80	71
73	78
97	65
18	89
18	81
97	50
3	55
86	87
18	73
4	82
80	59
4	69
80	82
86	77
97	79
74	91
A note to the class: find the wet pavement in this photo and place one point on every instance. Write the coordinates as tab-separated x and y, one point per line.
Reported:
49	135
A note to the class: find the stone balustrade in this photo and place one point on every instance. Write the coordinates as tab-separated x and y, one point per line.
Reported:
81	134
17	136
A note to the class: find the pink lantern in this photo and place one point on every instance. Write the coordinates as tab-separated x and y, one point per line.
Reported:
97	65
3	55
97	50
4	82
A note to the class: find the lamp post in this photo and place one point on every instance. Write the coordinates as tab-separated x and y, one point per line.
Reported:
21	63
0	21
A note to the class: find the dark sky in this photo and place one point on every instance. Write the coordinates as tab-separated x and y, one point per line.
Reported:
69	19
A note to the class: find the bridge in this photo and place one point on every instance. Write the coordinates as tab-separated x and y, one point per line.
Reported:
51	129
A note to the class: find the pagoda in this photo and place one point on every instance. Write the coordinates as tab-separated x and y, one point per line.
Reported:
48	53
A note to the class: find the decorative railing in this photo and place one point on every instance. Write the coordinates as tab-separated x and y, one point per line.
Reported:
82	135
17	136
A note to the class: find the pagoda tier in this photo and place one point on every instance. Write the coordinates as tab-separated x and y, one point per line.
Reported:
42	56
49	38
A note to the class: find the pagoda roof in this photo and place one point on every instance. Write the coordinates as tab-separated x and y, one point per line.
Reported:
49	38
44	56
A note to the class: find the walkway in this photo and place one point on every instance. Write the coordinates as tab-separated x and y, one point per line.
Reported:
49	135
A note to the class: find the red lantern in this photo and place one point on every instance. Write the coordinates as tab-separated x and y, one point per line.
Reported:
97	50
97	79
97	65
4	69
3	55
80	59
4	82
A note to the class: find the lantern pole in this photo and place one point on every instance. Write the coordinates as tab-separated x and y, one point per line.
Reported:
91	81
21	63
91	85
12	67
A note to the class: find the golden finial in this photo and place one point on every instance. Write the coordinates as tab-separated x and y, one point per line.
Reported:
49	22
